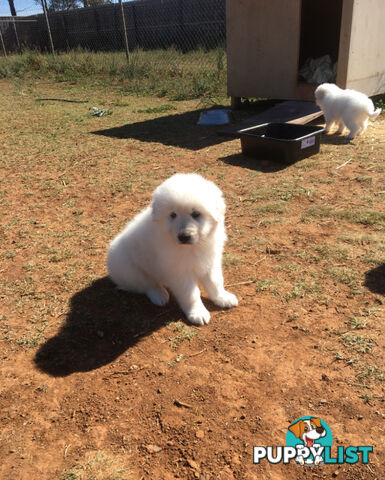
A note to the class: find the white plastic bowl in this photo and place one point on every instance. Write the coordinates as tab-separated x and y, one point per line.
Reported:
214	117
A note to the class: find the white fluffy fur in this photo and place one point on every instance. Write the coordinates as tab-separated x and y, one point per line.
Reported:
175	243
346	108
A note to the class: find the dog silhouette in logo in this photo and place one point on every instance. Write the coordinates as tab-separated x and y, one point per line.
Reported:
308	431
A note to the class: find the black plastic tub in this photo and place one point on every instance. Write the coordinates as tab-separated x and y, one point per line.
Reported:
283	142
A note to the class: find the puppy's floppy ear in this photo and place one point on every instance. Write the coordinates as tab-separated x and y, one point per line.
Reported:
297	428
216	207
155	212
320	93
157	206
316	421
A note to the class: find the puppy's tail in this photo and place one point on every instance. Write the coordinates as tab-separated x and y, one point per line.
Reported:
374	114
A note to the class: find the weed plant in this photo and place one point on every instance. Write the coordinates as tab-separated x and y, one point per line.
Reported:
163	73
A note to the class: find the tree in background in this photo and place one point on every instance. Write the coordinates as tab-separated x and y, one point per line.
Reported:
57	5
94	3
60	5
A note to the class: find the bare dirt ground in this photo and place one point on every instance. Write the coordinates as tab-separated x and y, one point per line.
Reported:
101	384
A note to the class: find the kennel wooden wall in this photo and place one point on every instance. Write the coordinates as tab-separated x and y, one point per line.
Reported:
268	41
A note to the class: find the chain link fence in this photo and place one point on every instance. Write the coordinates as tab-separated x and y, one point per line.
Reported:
185	25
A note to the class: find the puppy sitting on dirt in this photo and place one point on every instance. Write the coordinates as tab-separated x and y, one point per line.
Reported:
175	243
346	108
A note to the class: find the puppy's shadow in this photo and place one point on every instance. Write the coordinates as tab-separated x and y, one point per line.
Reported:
375	280
103	322
335	139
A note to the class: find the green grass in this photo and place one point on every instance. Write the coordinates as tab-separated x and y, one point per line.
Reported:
267	285
370	372
367	398
302	288
160	109
271	208
230	260
183	333
364	239
356	323
364	179
30	341
329	251
379	101
177	360
373	259
163	73
359	343
364	217
371	311
344	275
98	466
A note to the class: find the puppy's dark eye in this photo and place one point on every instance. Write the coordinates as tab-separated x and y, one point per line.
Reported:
172	215
306	429
195	214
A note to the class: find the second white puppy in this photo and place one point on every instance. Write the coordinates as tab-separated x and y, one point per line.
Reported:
175	243
346	108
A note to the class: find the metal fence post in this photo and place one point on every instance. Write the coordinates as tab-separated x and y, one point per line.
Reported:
124	31
2	43
43	2
16	35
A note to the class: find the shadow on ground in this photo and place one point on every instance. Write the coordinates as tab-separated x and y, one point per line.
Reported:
375	280
258	164
102	324
180	130
271	166
335	139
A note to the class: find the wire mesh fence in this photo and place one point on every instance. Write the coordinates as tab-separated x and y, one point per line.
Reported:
184	25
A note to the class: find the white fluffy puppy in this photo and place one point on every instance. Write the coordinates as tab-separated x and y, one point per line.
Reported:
175	243
346	108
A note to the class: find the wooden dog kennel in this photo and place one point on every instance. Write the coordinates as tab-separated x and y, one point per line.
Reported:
269	40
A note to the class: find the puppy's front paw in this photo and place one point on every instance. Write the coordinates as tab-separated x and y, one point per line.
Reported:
158	295
199	316
226	300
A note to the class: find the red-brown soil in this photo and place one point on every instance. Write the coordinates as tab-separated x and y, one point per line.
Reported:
95	381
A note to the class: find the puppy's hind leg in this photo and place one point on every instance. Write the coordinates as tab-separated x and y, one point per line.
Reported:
364	126
158	295
354	129
355	124
128	277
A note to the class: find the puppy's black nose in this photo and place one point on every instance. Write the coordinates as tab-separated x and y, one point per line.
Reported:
319	429
184	238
